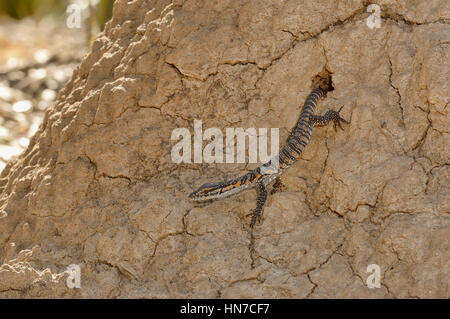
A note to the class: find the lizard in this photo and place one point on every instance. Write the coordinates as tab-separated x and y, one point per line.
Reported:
263	175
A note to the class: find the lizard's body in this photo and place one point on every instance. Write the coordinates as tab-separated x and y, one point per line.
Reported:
262	176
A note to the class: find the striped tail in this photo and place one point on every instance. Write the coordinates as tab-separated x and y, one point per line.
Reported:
301	134
296	141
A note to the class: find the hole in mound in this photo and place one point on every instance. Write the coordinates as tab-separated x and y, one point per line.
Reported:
323	80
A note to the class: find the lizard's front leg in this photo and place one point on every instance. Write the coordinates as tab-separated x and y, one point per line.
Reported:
262	196
330	115
278	186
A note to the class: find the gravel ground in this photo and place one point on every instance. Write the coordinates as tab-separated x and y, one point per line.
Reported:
36	60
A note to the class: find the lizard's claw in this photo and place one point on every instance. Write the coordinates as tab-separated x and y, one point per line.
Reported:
337	119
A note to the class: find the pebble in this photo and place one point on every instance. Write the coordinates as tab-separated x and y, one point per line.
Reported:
22	106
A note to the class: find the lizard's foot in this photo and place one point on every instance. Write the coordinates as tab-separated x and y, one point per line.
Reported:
256	217
262	196
278	186
330	115
337	119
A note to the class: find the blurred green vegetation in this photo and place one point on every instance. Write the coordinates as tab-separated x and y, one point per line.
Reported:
104	12
19	9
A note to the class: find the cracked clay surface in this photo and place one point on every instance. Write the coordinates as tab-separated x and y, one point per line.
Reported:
97	186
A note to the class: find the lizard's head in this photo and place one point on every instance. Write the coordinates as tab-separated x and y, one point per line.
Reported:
205	192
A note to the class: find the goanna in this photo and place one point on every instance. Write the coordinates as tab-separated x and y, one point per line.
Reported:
260	177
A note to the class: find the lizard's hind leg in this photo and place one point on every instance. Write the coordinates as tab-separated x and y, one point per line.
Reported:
329	115
257	212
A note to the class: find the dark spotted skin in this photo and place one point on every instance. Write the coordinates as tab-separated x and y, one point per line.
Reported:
262	196
266	173
330	115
